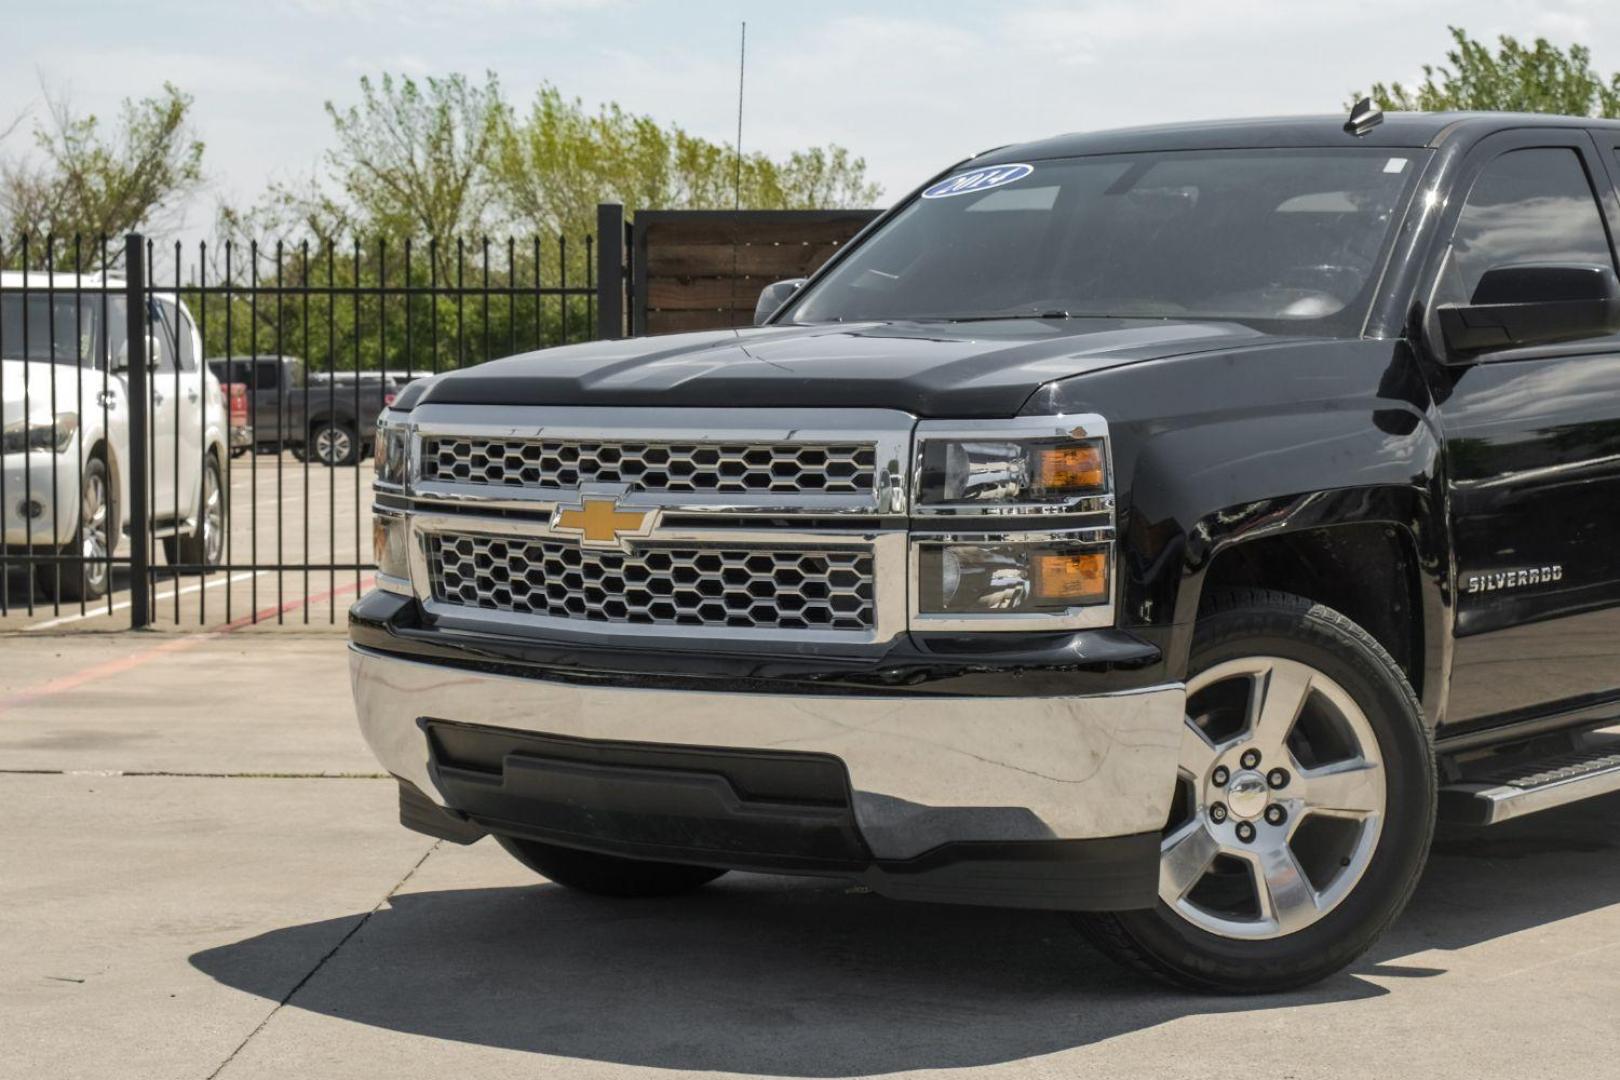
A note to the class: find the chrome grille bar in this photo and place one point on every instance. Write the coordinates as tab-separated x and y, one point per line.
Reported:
698	461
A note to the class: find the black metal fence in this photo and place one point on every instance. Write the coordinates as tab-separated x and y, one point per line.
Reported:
241	383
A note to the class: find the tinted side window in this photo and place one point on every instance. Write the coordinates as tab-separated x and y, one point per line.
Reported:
163	328
1528	206
268	375
188	347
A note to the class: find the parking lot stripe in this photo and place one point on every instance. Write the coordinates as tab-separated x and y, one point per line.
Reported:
97	612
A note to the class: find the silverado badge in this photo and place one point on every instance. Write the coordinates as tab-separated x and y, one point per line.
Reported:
1513	579
599	522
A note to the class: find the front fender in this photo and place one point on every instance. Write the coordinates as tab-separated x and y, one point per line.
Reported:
1216	450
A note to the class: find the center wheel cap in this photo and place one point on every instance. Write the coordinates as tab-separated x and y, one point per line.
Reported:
1247	795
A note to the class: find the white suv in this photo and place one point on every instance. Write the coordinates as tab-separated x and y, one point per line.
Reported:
64	484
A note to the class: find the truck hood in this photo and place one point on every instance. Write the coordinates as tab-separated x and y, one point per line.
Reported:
928	369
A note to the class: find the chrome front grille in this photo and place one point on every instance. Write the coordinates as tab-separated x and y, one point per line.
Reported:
675	585
834	468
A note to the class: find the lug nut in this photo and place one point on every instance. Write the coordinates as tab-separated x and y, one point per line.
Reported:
1217	812
1251	758
1245	831
1220	776
1275	814
1277	778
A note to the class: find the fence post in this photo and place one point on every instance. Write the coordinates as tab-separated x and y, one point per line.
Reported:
137	376
609	270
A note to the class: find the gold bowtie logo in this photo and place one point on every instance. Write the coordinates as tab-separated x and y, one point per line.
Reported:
600	522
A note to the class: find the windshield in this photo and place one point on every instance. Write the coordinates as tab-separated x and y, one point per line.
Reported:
60	329
1287	238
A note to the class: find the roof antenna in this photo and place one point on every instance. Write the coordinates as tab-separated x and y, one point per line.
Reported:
742	65
1364	116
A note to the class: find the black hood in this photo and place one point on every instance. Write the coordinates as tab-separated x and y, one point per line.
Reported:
929	369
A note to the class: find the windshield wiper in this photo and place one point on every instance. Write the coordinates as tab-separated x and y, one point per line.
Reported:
992	316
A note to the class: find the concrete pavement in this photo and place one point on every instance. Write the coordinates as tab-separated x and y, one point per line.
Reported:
247	906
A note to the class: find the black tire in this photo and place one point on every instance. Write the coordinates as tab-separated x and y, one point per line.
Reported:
205	547
1165	943
332	443
87	572
607	875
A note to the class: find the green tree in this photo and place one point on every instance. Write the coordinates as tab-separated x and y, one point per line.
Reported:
557	161
87	180
412	158
445	162
1514	78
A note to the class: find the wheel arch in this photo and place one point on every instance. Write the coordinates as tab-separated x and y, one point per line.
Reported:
1369	571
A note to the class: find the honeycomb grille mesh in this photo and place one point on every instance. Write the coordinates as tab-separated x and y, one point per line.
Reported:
657	586
810	468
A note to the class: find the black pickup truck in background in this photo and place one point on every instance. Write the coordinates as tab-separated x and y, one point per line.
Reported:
328	416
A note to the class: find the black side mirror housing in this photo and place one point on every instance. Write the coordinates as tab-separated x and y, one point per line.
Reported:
773	296
1518	306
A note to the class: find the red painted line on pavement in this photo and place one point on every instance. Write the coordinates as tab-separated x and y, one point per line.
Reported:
266	614
108	668
94	672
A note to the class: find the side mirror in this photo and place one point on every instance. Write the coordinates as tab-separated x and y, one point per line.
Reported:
773	296
1516	306
154	354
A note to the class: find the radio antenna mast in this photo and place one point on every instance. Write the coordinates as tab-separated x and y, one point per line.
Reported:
742	66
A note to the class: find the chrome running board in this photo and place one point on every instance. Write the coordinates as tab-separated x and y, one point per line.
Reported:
1530	786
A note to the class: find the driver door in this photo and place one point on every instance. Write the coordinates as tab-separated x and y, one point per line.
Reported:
1532	444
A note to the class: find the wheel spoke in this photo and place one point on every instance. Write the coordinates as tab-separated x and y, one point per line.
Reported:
1285	893
1197	752
1352	789
1184	858
1275	702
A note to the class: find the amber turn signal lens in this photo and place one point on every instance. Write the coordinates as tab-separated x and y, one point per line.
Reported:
1075	577
1069	468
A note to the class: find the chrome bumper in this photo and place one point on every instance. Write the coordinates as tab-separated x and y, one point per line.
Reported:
925	771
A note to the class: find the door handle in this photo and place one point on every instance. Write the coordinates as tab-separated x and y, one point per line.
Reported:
157	398
191	394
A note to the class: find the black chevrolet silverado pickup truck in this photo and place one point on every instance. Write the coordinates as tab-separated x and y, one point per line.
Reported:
1165	525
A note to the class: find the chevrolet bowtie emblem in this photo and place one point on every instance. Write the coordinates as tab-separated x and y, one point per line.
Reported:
598	522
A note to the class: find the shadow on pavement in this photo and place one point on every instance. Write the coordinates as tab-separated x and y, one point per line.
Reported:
811	979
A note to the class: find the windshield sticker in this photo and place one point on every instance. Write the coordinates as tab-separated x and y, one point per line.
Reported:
984	179
1395	165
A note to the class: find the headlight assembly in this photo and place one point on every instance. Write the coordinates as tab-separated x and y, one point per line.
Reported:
390	550
40	434
1012	525
1042	473
392	453
1003	575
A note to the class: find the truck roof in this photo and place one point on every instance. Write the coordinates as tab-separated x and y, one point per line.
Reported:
1399	129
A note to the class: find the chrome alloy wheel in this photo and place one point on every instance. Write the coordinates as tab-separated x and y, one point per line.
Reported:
1279	804
213	518
93	530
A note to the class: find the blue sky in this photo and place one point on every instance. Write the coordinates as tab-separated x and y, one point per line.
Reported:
911	86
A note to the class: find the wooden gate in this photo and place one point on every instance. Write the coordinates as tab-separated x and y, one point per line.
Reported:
704	269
